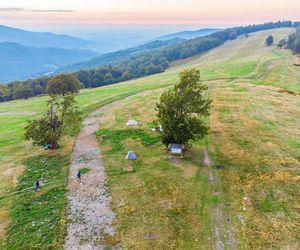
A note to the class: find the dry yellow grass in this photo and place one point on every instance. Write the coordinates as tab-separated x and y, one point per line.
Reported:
253	131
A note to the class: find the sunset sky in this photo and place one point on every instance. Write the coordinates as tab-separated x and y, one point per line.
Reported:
64	14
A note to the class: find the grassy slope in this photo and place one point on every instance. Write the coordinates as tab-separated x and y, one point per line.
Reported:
254	135
13	148
244	58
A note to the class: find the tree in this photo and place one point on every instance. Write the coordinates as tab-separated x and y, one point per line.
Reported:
22	91
3	92
269	40
181	110
63	84
282	43
293	41
297	45
233	35
61	118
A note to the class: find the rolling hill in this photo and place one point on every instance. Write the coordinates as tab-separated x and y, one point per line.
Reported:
42	39
188	34
162	202
19	62
119	56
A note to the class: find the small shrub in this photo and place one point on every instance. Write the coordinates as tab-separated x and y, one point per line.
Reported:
84	170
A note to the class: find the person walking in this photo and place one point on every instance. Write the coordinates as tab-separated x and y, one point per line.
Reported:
79	175
37	185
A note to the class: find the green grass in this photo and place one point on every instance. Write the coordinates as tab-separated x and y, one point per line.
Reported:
115	137
84	170
40	215
168	198
254	134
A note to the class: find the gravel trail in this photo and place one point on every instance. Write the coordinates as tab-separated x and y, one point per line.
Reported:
89	214
90	217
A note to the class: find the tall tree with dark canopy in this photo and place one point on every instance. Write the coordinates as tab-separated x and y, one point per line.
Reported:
233	35
297	45
269	40
181	110
282	43
61	118
63	84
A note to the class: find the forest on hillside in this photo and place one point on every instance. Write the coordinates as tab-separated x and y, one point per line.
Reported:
143	64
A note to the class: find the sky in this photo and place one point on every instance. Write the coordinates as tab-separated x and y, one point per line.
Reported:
156	14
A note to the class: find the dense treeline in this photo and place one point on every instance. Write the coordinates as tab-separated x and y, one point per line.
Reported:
143	64
119	56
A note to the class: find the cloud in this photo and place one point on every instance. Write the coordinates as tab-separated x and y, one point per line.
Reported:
13	9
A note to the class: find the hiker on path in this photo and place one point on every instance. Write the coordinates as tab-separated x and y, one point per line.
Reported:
79	175
37	185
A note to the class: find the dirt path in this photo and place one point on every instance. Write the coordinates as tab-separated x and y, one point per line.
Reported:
219	227
89	213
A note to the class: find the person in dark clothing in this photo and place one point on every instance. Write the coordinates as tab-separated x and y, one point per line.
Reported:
37	185
79	175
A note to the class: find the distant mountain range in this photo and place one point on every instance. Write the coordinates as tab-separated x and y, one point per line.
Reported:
118	56
20	62
188	34
42	39
27	54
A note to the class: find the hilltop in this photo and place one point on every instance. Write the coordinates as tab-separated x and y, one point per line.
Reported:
188	34
160	201
140	62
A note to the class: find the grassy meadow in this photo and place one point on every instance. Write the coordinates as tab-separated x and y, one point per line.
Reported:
164	202
14	149
161	202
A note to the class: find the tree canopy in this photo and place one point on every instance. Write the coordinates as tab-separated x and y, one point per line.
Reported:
63	84
233	35
182	109
61	118
282	43
269	40
293	42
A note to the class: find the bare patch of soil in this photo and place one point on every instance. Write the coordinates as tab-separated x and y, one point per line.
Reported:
2	229
128	168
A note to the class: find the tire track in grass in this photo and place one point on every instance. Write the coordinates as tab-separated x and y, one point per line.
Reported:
219	228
